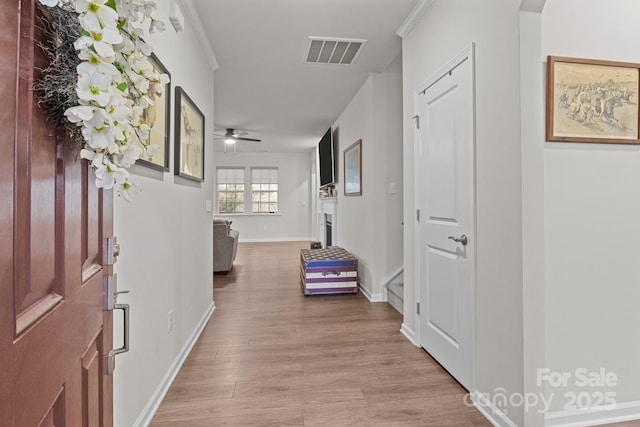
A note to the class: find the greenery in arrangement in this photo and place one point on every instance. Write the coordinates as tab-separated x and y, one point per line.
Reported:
98	81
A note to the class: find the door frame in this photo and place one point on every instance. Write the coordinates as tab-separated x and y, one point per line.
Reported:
467	54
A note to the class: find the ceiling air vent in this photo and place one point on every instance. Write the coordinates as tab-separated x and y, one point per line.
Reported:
323	50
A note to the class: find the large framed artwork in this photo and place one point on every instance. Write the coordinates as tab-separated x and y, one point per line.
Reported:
158	117
592	100
353	169
189	138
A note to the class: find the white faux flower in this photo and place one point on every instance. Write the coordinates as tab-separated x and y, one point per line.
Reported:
96	158
149	151
113	84
95	14
164	78
97	132
145	48
128	189
128	155
107	175
79	113
94	87
156	26
102	41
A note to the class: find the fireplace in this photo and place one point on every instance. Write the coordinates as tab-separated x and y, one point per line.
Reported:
327	222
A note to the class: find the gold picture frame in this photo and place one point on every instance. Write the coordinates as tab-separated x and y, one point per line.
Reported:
591	100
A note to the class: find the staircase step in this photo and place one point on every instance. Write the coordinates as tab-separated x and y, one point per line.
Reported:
395	296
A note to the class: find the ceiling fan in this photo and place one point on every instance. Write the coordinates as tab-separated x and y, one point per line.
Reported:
231	137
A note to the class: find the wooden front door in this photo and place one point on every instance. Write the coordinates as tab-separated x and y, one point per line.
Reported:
54	331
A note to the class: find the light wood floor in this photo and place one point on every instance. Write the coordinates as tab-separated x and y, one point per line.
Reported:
272	357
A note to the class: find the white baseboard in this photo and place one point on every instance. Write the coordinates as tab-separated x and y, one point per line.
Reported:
409	334
594	416
278	239
144	419
371	297
377	298
490	411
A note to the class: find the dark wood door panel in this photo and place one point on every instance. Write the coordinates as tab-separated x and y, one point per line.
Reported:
36	291
54	332
92	235
43	364
56	415
8	33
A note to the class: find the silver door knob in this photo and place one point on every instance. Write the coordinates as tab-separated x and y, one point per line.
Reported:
462	239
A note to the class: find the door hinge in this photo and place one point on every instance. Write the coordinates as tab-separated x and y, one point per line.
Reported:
110	362
416	119
418	215
417	308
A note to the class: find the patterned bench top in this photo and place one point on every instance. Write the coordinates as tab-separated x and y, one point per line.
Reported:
333	253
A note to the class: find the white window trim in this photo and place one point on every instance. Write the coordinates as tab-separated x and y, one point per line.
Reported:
248	192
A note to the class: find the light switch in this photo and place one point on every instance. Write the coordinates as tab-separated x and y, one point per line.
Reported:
208	206
393	188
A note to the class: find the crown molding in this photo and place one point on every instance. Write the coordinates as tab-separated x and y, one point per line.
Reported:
418	10
194	19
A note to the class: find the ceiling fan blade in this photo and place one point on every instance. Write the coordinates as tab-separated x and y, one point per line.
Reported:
249	139
239	134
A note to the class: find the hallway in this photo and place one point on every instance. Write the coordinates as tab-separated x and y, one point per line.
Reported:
271	356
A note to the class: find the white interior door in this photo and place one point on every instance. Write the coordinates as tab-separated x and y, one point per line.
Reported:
446	227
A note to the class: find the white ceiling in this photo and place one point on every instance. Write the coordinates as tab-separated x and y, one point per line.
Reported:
264	86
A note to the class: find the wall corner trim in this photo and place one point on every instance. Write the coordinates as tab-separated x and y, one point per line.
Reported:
414	16
144	419
490	411
371	297
409	334
194	19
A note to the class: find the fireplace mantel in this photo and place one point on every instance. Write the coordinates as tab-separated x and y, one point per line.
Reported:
328	209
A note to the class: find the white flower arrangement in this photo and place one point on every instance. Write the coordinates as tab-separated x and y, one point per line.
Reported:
112	86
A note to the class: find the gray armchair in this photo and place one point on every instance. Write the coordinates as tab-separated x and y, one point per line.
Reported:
225	245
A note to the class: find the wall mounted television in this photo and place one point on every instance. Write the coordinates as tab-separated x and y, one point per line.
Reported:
325	154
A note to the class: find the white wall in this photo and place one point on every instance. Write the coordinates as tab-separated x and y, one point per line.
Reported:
166	239
293	221
447	27
591	216
370	226
532	161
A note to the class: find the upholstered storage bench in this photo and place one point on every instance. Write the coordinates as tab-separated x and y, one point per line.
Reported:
328	271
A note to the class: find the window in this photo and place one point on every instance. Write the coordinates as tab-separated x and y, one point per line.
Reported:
230	187
264	190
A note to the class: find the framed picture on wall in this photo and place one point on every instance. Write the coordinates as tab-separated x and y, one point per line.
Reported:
592	100
353	169
189	138
158	117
